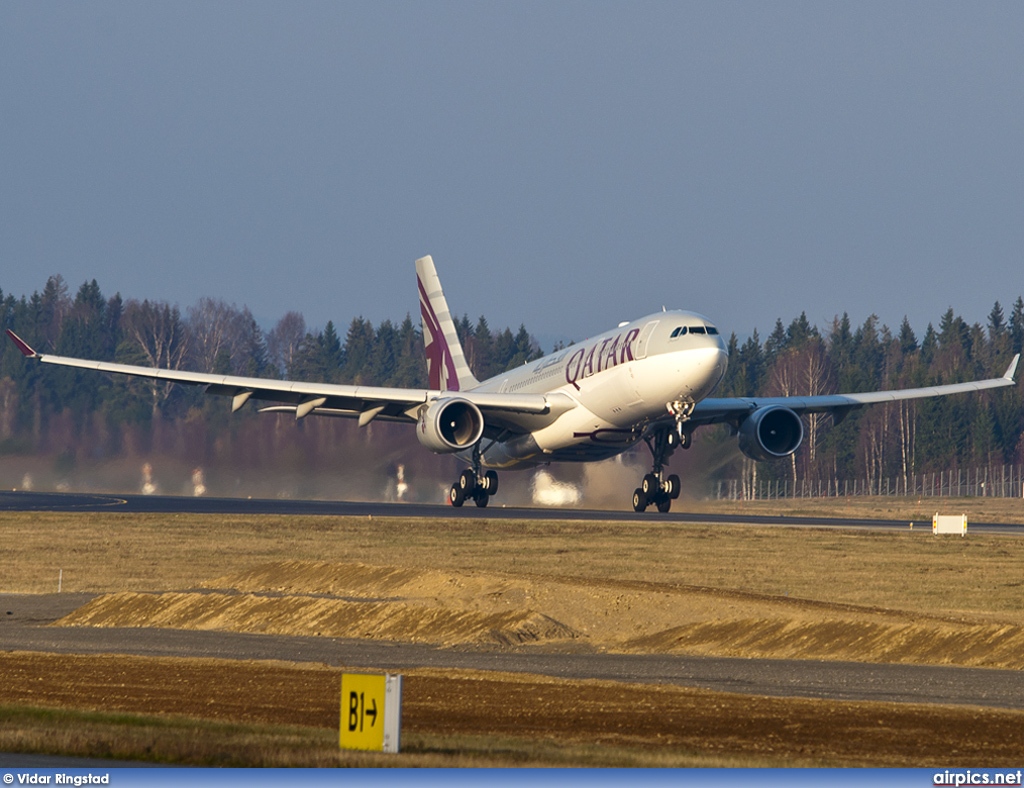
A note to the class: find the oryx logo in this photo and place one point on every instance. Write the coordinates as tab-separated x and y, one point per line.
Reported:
440	364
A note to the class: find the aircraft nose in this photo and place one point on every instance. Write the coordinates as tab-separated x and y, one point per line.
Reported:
717	364
723	362
710	368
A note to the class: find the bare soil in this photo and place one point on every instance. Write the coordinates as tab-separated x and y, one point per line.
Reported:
659	725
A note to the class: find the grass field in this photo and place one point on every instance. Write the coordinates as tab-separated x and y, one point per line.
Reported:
656	587
908	570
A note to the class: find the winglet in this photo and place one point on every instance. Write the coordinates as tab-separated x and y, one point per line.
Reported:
23	346
1011	370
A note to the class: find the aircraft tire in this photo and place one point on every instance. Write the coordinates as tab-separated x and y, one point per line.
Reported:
456	496
650	485
674	486
481	499
639	500
664	504
491	482
467	482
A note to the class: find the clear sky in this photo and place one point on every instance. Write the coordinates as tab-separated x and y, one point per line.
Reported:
568	164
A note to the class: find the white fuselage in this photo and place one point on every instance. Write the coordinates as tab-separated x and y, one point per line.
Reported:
618	381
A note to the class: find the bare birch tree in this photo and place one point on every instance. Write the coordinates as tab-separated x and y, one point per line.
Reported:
284	339
804	371
215	328
157	331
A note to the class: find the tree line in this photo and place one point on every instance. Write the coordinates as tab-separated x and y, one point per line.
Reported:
892	440
78	414
56	409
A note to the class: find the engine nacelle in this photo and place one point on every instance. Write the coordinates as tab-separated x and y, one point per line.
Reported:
449	425
771	432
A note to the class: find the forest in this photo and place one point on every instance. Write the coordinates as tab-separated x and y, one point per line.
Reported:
66	423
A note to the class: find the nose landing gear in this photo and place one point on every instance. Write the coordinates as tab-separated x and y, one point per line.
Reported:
657	489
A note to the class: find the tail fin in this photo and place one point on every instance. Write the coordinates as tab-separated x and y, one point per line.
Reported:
447	369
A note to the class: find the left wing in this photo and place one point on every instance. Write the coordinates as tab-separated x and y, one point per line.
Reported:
364	403
735	409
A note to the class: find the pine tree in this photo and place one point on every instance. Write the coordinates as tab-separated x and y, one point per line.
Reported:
996	321
484	361
776	342
1017	326
358	352
411	369
385	356
753	365
907	340
800	332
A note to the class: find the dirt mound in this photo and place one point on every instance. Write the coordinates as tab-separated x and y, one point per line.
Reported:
365	581
980	645
327	617
451	607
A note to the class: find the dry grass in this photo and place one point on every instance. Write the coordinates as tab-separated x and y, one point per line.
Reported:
919	510
187	741
977	576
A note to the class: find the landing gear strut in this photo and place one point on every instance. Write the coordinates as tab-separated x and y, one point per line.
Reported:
656	488
474	485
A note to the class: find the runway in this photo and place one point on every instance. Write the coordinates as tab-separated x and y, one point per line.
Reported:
19	501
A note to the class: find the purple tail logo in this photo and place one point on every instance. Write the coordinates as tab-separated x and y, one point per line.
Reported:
440	364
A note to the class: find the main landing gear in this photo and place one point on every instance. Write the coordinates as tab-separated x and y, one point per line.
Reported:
657	489
474	485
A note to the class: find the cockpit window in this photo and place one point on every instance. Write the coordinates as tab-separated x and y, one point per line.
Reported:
682	331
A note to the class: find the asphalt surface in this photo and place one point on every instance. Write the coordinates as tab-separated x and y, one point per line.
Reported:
20	501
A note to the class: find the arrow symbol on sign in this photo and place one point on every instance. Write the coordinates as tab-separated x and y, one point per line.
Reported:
372	712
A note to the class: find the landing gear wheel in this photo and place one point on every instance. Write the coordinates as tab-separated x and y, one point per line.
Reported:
472	485
656	489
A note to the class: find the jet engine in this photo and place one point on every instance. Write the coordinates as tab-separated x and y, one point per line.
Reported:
771	432
449	425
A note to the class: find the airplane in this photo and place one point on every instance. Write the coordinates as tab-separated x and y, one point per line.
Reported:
645	380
